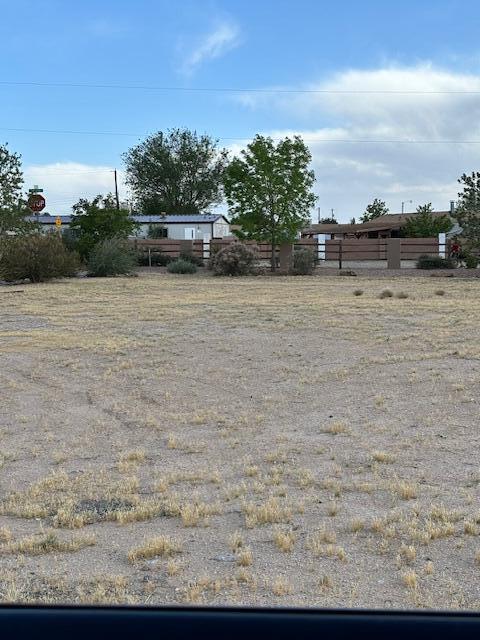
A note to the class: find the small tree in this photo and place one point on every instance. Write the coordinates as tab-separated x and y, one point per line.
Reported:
374	210
156	231
12	206
423	224
97	220
178	172
268	190
467	212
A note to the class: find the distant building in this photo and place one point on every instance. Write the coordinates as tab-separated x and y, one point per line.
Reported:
387	226
181	227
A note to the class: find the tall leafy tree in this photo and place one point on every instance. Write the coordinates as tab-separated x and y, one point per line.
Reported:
269	190
177	172
374	210
467	212
97	220
423	224
12	205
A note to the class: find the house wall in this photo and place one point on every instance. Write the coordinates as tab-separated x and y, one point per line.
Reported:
177	231
221	229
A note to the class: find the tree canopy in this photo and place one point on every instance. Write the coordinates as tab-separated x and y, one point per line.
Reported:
423	224
97	220
269	190
374	210
177	172
12	206
467	212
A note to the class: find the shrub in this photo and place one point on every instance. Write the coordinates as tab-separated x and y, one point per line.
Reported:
303	262
111	257
189	257
235	260
402	295
38	258
181	266
386	294
434	262
158	259
358	292
471	261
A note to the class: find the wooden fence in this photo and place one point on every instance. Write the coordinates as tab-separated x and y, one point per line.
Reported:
349	249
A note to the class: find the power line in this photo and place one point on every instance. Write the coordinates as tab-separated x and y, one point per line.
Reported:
244	139
81	85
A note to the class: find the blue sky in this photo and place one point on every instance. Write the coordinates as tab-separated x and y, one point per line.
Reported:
372	45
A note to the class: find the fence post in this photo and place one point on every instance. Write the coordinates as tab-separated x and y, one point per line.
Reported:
393	253
442	242
340	254
149	257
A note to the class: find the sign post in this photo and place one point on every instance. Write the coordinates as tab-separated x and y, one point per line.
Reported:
36	202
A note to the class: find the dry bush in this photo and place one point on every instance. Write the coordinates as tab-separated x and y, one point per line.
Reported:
284	540
244	557
281	587
236	541
410	579
405	490
383	457
356	525
408	553
336	428
46	543
272	511
197	513
160	546
386	293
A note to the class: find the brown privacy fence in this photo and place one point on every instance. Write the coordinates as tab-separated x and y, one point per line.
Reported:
170	248
377	248
337	251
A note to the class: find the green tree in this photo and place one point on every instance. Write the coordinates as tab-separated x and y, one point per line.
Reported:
467	212
178	172
97	220
328	221
12	206
374	210
268	190
423	224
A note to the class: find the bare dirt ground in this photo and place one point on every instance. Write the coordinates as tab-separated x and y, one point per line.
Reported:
171	439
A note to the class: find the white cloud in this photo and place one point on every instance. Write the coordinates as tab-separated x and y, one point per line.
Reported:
63	183
223	38
350	174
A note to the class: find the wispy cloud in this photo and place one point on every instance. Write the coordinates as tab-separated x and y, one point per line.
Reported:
224	38
422	167
65	182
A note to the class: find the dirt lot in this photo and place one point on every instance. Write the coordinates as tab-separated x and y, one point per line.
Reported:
172	439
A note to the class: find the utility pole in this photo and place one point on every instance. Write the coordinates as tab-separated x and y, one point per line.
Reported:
318	210
116	189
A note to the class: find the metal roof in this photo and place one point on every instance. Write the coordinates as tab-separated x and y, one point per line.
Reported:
179	219
48	219
141	219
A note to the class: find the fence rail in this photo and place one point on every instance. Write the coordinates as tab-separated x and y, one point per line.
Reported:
335	250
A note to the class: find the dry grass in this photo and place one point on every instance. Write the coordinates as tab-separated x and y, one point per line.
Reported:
383	457
284	540
281	587
160	546
46	543
272	511
244	557
331	420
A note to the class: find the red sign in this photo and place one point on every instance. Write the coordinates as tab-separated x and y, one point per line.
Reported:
36	202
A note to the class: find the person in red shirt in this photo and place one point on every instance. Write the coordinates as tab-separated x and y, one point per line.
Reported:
455	249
